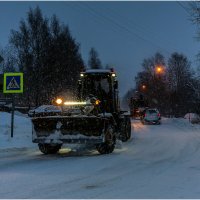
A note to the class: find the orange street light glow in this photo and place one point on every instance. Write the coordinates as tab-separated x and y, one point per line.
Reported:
159	69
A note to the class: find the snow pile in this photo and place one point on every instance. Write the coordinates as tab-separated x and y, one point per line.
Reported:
44	108
22	136
192	117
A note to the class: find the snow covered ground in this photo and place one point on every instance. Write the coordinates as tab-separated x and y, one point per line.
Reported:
22	131
160	161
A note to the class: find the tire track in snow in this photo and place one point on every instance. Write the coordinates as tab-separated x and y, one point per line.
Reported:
153	154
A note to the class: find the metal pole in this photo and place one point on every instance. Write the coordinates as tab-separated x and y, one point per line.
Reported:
12	114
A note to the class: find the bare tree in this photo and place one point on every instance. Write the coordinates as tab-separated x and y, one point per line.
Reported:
94	61
151	82
9	62
1	59
180	82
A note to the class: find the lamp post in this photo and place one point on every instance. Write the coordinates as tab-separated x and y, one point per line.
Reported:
159	71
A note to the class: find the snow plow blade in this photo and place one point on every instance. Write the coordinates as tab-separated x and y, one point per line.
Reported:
68	129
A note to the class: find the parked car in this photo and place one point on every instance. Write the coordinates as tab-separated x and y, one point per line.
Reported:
151	116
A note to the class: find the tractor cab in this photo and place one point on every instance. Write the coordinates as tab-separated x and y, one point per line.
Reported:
101	84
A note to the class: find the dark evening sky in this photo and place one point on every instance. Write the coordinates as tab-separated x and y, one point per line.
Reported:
123	33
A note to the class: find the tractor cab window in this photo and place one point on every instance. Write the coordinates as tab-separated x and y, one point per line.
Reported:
97	85
102	84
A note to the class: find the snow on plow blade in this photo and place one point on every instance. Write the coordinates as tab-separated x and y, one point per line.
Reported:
68	129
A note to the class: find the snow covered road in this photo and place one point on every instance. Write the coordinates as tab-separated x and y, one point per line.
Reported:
160	161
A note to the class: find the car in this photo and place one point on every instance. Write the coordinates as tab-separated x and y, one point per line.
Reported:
151	116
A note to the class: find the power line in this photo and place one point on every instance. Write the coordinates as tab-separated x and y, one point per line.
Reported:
122	27
96	18
139	27
184	8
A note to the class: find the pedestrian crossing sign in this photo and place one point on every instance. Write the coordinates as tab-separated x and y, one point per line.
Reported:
13	83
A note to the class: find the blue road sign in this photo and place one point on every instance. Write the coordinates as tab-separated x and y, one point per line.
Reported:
13	83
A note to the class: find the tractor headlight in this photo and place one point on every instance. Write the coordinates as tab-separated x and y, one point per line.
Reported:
113	75
59	101
74	103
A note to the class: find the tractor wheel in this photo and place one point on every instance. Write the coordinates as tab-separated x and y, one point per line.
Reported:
125	130
109	145
49	149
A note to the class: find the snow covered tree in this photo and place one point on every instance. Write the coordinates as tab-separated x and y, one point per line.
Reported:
48	55
180	82
173	90
8	60
126	99
1	59
94	61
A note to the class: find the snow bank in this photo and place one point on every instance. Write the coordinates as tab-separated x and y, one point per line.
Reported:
192	117
22	131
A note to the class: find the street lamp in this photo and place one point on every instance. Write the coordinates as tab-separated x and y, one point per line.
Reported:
159	69
144	87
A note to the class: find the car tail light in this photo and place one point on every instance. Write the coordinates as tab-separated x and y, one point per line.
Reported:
158	114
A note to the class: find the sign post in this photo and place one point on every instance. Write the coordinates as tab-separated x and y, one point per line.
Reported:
12	114
13	84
